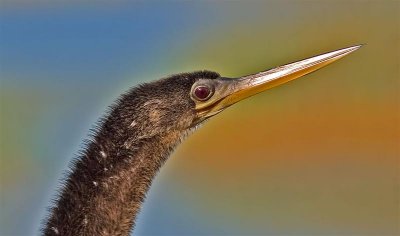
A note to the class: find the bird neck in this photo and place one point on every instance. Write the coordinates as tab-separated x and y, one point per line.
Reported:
107	185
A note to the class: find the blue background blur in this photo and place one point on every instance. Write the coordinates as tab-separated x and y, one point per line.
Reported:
313	157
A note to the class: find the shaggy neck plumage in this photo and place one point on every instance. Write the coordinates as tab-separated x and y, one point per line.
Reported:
107	184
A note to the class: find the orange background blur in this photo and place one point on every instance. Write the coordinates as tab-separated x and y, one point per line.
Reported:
316	156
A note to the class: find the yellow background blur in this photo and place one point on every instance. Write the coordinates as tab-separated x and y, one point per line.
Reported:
316	156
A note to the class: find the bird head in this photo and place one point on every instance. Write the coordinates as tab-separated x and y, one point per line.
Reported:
183	101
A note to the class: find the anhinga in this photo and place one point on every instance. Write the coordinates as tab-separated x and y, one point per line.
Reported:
107	184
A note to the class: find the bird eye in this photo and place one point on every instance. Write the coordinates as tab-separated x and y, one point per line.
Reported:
202	92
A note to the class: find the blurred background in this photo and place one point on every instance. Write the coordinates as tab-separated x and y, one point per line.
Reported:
316	156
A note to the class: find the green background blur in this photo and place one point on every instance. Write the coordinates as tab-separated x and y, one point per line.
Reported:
316	156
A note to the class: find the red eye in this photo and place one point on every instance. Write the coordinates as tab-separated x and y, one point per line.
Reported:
202	92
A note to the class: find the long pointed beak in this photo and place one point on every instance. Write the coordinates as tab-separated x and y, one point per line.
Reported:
230	91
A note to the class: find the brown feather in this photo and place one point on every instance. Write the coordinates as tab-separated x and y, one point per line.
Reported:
107	184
